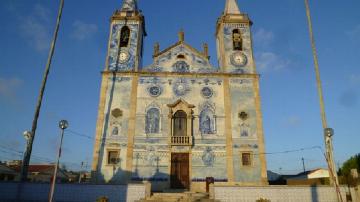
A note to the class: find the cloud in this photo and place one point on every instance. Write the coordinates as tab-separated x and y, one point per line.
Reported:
36	33
271	61
349	99
263	37
9	88
293	121
266	58
354	33
42	12
35	27
354	79
82	31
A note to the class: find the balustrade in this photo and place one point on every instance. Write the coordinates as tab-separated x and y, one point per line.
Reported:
180	140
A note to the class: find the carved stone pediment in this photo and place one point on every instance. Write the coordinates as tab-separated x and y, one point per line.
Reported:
181	102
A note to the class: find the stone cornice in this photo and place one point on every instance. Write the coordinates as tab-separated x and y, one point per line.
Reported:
121	15
129	16
233	18
188	74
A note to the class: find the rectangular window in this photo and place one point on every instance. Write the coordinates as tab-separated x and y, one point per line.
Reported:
113	157
246	159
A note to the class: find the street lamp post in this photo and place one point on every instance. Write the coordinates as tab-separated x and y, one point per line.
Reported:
328	132
63	124
27	154
27	135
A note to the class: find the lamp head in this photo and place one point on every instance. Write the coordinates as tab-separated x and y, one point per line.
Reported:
329	132
63	124
27	134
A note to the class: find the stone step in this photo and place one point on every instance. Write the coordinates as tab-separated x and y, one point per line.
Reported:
181	200
170	194
178	197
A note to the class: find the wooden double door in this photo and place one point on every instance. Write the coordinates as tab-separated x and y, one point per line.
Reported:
179	176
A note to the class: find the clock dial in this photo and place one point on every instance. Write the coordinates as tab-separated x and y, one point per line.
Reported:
123	56
238	59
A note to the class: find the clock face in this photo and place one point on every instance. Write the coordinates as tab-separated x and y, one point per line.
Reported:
238	59
123	56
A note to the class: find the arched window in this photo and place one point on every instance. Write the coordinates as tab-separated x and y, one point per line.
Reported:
179	123
207	122
237	40
152	121
124	36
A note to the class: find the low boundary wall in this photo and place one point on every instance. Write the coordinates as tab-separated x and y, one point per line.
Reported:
276	193
10	191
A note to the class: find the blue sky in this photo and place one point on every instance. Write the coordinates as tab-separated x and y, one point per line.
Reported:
283	56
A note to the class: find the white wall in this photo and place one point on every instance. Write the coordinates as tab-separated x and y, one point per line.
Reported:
72	192
276	193
321	173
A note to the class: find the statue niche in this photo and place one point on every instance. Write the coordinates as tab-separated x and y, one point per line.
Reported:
207	124
116	115
152	121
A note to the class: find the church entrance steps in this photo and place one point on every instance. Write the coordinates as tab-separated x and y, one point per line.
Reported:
175	196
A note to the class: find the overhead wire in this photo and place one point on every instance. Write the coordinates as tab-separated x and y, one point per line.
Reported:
8	150
73	132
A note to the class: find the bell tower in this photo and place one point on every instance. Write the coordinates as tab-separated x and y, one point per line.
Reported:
234	42
127	31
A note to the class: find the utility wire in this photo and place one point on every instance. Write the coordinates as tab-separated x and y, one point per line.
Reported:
36	157
290	151
79	134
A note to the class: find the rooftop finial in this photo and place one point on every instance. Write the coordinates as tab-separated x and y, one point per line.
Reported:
181	35
156	48
206	50
231	7
129	5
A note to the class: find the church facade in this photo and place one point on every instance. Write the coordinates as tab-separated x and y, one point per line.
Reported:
179	120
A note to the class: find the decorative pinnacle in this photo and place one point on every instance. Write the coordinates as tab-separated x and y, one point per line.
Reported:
156	48
181	35
129	5
206	50
231	7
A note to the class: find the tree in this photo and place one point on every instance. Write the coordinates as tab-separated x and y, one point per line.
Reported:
345	170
